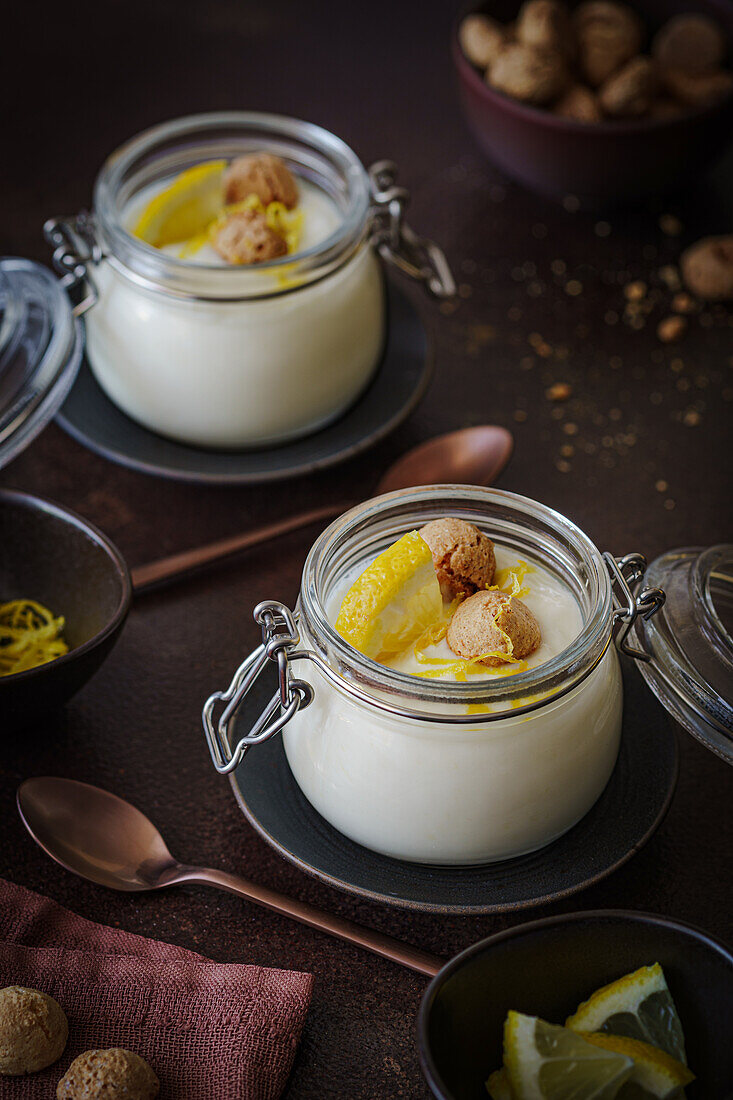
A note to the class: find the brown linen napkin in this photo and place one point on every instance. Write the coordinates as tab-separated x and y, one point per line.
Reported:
210	1031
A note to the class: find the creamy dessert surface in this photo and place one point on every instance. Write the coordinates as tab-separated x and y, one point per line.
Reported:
547	597
320	217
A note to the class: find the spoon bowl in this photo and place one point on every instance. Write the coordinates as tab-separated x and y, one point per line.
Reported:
469	456
93	833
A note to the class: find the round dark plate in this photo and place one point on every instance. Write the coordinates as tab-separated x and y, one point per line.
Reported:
628	812
399	384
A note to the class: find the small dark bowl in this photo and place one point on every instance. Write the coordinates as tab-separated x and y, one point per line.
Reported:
50	554
547	968
602	162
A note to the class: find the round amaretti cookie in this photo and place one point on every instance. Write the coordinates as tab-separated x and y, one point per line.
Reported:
482	623
33	1030
113	1074
463	555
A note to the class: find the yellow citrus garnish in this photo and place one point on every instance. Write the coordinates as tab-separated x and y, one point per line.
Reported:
393	602
655	1073
185	208
29	636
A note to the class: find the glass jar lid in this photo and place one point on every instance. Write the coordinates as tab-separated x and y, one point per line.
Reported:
690	642
40	351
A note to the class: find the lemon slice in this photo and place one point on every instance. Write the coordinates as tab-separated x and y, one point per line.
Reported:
393	602
639	1006
552	1063
498	1086
185	208
655	1074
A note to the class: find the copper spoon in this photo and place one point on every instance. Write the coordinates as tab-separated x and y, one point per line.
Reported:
470	456
104	839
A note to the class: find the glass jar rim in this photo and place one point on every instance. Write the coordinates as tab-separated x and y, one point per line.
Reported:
555	677
320	150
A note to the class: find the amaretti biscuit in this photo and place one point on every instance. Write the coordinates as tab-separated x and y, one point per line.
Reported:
33	1030
492	623
463	556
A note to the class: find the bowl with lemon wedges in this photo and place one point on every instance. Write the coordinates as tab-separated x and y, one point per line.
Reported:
583	1006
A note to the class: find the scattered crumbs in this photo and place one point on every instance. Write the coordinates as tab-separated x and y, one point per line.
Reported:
683	302
615	362
615	414
535	289
557	412
497	193
607	441
661	486
683	384
539	231
602	229
562	352
520	415
570	428
671	329
634	292
567	450
670	276
465	290
573	287
558	267
590	448
669	504
656	397
526	362
611	317
514	313
702	382
670	225
478	337
677	365
691	418
563	466
571	203
559	391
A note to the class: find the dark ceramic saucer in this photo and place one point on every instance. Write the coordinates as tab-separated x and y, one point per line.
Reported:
399	384
628	812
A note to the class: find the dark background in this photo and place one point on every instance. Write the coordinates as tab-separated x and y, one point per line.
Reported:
648	424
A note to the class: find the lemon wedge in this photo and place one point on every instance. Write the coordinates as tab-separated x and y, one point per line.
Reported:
639	1006
655	1074
185	208
552	1063
393	602
498	1086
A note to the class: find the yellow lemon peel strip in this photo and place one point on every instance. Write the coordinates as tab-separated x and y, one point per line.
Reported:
30	635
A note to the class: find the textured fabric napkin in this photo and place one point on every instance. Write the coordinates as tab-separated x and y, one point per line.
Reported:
210	1031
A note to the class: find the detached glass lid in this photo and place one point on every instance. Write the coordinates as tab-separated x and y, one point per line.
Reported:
690	642
40	352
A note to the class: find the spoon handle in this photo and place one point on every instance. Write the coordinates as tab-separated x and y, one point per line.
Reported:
175	566
339	927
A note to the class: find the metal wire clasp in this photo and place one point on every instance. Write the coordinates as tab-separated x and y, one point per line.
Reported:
75	249
628	602
280	640
398	244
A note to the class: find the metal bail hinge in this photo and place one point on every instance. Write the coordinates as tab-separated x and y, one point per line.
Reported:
417	257
628	602
279	644
75	249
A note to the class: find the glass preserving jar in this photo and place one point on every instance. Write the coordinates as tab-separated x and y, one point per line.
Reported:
434	771
234	356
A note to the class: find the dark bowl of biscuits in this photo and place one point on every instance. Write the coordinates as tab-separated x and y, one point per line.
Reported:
599	100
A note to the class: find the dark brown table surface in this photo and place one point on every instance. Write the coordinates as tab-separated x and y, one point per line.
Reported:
639	457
